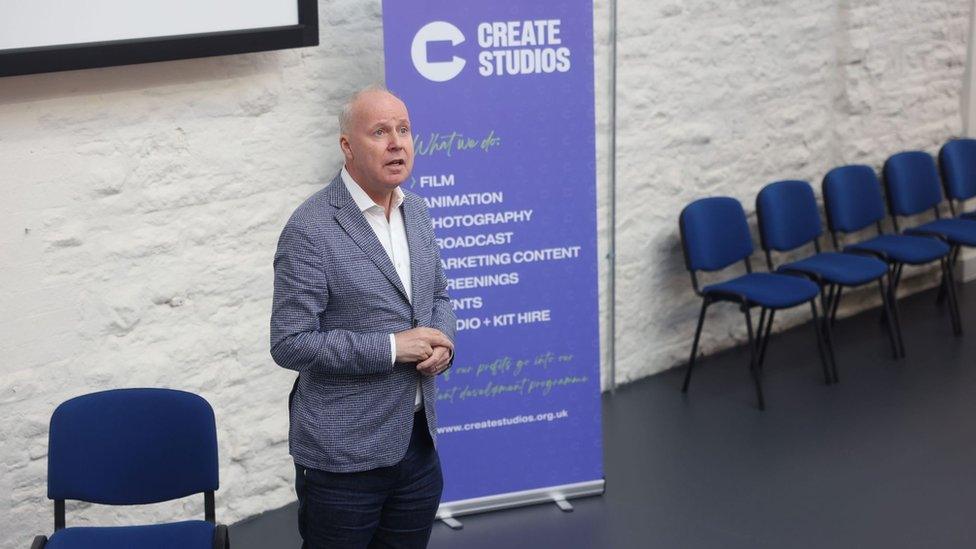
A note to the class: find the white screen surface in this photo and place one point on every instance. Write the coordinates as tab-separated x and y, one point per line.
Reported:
34	23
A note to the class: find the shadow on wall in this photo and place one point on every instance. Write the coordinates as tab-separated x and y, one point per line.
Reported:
151	77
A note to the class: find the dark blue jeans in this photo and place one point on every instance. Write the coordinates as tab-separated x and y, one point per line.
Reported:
390	507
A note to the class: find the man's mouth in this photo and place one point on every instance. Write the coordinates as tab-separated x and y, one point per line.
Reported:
397	162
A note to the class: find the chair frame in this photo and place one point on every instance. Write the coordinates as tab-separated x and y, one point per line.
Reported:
947	285
948	280
758	338
895	267
950	199
830	293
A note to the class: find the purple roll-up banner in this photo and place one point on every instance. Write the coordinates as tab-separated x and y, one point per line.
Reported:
500	96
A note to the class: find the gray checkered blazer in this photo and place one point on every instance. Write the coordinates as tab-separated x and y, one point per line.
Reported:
337	299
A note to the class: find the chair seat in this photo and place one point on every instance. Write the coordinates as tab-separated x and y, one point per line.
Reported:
914	250
837	268
770	290
956	231
178	535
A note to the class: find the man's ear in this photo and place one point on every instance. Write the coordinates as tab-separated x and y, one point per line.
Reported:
344	145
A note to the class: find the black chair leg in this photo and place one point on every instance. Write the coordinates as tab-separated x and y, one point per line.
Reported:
820	343
829	333
893	335
760	330
765	339
953	303
221	537
893	300
753	369
694	345
827	297
953	258
834	306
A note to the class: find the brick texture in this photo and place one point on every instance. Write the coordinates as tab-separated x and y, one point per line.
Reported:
142	204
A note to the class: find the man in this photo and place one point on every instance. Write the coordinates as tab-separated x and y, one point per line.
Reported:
361	312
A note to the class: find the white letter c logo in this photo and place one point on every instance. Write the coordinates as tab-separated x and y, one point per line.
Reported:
437	71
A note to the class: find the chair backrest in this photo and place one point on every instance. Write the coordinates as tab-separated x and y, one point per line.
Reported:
852	198
957	159
132	446
714	233
912	183
788	215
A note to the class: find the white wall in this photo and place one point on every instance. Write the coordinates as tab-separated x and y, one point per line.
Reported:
724	97
141	205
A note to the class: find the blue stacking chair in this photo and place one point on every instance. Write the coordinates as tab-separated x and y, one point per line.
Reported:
957	161
913	187
132	447
715	235
789	219
853	202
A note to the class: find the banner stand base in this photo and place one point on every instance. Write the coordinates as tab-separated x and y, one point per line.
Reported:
452	523
560	495
563	505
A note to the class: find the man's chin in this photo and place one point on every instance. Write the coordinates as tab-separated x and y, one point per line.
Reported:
395	180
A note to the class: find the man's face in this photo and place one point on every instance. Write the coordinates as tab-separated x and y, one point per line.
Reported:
378	145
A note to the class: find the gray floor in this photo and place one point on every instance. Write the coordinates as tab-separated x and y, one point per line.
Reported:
885	459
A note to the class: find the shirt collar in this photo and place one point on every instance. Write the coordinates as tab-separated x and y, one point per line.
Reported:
359	196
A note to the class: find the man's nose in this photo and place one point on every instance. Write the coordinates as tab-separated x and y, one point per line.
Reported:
396	141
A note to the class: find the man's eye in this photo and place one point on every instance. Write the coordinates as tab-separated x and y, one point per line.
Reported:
378	132
404	130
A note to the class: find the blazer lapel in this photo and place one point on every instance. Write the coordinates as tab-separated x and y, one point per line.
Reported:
354	223
415	241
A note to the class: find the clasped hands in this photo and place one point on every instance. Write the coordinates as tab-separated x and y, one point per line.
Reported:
428	347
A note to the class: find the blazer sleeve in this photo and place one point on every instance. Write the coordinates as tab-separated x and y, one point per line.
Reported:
301	295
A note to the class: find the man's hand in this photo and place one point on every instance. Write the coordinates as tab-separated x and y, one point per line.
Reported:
419	344
437	363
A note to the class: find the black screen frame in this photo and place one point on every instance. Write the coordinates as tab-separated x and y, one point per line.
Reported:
66	57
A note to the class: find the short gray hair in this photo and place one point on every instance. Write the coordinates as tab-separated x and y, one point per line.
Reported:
345	113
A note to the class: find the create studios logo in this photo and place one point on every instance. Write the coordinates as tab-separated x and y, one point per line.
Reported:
437	38
508	48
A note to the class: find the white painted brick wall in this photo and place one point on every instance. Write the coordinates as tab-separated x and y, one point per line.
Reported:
722	98
141	205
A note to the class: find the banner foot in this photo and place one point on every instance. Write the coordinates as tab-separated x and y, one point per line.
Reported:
560	495
452	523
563	504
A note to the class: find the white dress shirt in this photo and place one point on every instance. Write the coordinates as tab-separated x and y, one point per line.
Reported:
392	235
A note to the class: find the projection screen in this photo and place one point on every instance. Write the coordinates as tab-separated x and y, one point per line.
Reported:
54	35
